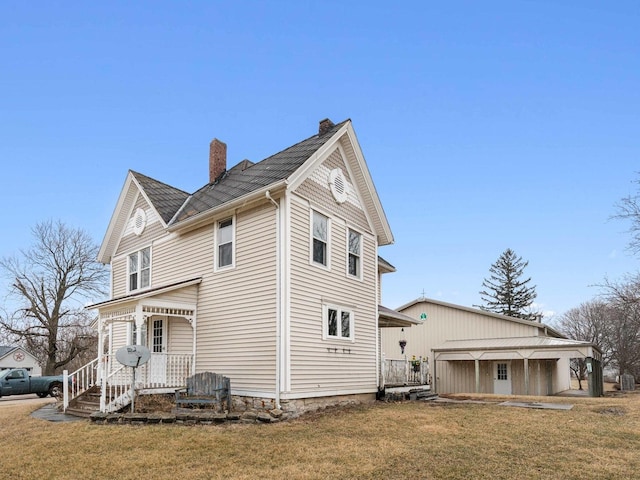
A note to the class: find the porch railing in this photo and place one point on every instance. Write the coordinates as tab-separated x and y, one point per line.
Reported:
162	371
165	370
404	372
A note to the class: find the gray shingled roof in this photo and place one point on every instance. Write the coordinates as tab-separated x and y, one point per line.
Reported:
166	199
5	350
247	177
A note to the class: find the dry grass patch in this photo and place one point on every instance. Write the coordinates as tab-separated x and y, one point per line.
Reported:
384	441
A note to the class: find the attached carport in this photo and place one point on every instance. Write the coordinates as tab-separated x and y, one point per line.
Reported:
501	360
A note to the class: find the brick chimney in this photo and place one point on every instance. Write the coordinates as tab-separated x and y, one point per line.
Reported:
324	127
217	159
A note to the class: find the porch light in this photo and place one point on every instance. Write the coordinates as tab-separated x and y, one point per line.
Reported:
402	343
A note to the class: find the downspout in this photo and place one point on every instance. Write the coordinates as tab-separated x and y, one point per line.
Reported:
278	300
379	361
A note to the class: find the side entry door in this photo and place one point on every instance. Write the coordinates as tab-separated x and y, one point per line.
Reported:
158	362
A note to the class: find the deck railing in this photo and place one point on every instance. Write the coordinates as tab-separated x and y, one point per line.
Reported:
404	372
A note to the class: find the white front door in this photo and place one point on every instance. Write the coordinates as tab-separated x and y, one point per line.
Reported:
158	362
502	378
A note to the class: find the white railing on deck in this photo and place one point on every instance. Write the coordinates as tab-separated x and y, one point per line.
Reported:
404	372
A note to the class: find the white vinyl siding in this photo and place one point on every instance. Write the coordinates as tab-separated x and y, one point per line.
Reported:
236	334
180	336
323	366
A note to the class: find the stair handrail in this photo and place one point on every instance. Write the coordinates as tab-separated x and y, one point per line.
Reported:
80	381
114	390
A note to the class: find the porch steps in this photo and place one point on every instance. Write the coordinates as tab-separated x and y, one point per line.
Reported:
395	394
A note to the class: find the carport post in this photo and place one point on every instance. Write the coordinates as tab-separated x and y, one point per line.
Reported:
526	376
477	364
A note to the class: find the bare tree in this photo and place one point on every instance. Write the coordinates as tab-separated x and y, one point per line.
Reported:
628	209
588	322
50	282
623	329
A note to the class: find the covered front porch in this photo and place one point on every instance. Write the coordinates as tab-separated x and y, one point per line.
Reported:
162	320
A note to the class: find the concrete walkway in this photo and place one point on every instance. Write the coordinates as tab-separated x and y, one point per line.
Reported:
543	405
51	413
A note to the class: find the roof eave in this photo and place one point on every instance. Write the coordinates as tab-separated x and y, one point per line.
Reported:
207	216
145	294
103	256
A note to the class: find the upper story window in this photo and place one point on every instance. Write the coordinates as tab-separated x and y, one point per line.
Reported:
320	239
140	269
224	243
338	323
354	254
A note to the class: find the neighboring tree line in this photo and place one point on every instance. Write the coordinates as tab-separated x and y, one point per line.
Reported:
48	286
611	321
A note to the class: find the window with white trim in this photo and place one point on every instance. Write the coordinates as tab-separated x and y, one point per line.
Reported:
354	253
338	323
320	239
224	243
140	269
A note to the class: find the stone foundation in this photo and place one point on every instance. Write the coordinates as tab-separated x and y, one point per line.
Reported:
296	407
244	410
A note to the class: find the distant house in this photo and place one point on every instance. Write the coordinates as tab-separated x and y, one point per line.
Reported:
471	350
18	357
269	274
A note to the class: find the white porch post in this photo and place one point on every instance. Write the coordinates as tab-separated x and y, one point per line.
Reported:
103	362
194	325
526	376
139	323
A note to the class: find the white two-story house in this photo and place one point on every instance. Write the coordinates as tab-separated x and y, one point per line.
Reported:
268	274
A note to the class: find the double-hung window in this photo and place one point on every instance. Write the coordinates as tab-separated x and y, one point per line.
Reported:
354	254
224	242
338	323
320	239
140	269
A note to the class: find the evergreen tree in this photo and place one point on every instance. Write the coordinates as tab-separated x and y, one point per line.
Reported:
504	291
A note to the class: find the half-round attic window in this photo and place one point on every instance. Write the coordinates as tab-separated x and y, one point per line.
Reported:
139	221
338	185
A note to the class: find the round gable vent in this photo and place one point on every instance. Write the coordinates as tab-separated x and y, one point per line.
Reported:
139	221
338	185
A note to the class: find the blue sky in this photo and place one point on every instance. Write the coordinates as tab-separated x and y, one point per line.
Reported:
486	125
